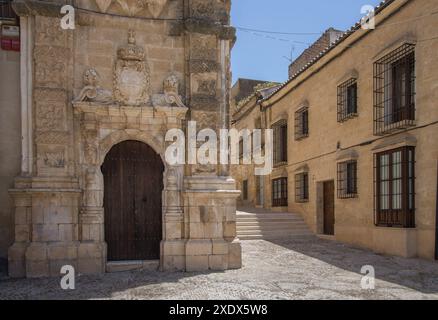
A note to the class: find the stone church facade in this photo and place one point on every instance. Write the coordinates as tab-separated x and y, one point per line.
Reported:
94	101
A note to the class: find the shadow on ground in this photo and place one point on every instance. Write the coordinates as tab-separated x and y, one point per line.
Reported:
417	274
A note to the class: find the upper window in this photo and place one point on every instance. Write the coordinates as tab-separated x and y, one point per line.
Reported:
347	100
347	179
6	12
302	123
394	90
395	188
302	187
280	143
279	192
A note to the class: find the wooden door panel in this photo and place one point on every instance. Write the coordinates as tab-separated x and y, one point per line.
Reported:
329	208
133	175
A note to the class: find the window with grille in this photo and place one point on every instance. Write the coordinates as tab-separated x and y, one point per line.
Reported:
6	12
394	90
302	187
347	100
280	143
347	179
245	190
279	192
302	123
395	188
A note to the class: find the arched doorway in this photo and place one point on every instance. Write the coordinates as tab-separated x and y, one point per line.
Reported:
133	179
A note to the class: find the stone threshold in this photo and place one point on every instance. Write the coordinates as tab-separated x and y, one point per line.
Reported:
326	237
137	265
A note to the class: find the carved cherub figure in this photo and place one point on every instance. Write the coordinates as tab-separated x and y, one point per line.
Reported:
92	91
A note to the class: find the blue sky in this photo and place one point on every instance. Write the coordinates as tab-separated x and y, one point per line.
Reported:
257	57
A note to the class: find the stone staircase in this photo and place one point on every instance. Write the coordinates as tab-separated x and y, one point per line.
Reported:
257	224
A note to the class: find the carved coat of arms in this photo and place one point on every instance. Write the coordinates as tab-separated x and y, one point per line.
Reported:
132	77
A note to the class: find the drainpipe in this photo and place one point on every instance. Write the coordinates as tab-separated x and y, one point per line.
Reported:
436	220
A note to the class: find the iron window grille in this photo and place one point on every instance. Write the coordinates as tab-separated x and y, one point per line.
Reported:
347	100
245	190
347	179
395	188
6	11
394	91
279	192
302	187
302	123
280	143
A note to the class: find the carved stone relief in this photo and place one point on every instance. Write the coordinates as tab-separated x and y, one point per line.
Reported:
92	91
90	147
133	7
54	159
49	32
171	95
50	66
50	116
94	187
132	76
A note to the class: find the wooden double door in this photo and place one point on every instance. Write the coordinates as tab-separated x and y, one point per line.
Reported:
133	175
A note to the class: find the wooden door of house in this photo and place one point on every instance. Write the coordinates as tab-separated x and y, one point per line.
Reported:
329	208
133	175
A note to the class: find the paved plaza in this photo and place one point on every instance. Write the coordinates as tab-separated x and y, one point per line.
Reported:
307	268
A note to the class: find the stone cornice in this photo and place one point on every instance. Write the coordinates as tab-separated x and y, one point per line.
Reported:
192	25
25	8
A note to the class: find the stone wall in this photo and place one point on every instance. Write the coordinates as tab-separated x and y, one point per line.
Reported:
320	152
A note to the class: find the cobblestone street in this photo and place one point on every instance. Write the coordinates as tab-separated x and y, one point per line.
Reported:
293	269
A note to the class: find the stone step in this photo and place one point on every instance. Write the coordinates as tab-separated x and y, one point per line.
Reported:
282	232
259	230
276	237
124	266
265	225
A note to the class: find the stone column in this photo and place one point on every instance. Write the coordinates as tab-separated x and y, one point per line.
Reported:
173	244
48	184
209	195
92	248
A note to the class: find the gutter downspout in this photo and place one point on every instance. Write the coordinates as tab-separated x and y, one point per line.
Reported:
436	220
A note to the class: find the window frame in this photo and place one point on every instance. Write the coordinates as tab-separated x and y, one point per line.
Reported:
344	100
280	148
7	13
302	123
345	180
390	216
280	192
387	116
302	187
